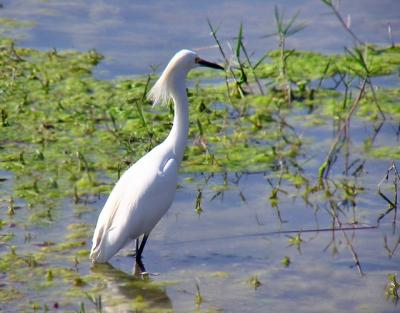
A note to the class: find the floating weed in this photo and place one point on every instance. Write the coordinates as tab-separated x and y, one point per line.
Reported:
9	23
384	152
31	261
82	253
198	208
254	282
295	241
11	210
286	261
220	274
13	250
64	246
6	237
392	288
49	275
198	299
2	223
78	231
8	295
79	282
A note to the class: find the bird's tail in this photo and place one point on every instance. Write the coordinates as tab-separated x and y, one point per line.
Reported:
97	253
105	246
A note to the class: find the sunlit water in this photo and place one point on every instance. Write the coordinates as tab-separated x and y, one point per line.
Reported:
233	238
237	237
133	35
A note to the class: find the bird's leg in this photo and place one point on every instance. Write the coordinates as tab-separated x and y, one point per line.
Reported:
140	250
139	268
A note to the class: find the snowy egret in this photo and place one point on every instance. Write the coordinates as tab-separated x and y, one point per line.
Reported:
146	190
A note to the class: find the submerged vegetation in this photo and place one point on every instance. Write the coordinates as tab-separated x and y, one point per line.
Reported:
66	136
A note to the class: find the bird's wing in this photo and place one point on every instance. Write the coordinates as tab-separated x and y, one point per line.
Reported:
106	217
137	202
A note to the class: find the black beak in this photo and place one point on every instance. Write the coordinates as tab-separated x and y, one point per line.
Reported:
205	63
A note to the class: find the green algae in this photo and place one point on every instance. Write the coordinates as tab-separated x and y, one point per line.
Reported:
254	282
384	152
310	66
83	127
9	23
10	295
78	231
73	117
392	287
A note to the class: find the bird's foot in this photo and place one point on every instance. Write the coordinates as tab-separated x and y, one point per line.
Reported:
140	270
139	267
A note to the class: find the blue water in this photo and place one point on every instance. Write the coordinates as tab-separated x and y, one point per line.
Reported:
133	35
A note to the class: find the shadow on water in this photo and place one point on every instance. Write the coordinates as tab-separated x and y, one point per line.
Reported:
129	292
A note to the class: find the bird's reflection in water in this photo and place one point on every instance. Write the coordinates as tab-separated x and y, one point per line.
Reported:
131	292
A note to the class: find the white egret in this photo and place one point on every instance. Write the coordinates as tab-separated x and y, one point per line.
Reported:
146	190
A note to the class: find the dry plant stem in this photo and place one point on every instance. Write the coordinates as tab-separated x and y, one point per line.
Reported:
332	242
392	204
341	20
389	29
347	150
279	232
375	98
341	131
353	252
277	188
387	248
228	88
321	80
334	212
359	42
373	137
336	220
214	35
14	53
351	247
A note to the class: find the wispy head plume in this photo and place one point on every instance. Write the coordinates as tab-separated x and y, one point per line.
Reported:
174	73
160	92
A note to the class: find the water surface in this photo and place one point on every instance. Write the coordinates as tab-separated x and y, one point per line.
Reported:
133	35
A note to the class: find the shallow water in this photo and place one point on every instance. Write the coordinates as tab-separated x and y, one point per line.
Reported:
237	236
233	250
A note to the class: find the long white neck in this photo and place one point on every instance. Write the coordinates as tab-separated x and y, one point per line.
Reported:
178	136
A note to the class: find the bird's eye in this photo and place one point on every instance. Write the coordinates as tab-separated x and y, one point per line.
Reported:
197	60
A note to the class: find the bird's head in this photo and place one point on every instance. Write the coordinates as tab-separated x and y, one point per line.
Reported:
175	73
185	60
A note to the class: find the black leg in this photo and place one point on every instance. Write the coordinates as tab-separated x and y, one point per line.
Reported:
139	268
140	250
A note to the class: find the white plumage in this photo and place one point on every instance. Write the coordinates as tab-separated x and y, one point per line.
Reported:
146	190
